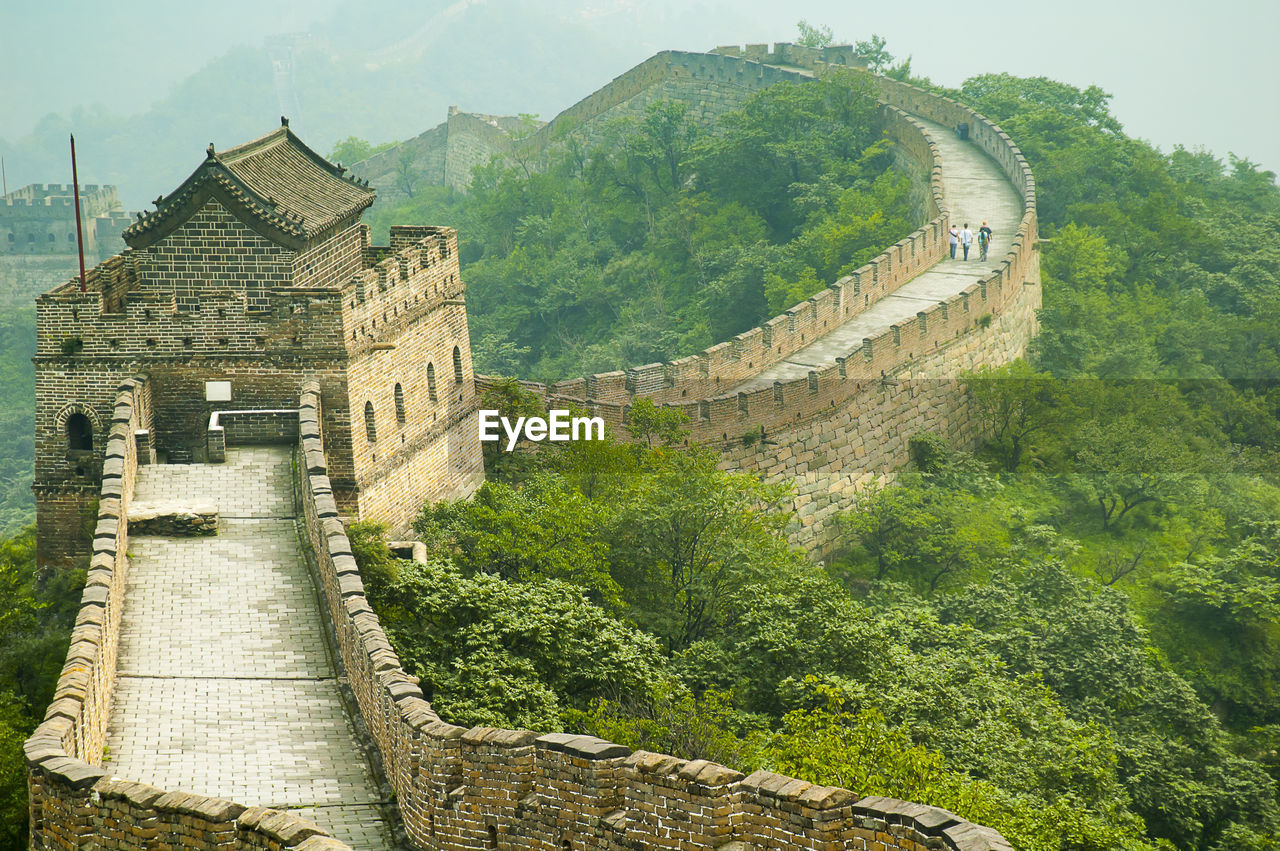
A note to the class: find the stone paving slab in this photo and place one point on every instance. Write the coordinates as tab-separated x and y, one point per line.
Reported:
255	481
976	190
279	743
245	595
225	685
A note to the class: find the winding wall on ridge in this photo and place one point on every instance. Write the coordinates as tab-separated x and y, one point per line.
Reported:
848	417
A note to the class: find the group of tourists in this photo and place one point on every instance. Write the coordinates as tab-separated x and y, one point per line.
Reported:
964	239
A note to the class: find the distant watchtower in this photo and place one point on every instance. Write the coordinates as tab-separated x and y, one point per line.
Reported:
252	276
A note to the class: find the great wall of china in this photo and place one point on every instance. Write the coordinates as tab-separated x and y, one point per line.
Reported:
836	385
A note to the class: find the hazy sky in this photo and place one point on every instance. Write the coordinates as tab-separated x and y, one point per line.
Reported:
1197	73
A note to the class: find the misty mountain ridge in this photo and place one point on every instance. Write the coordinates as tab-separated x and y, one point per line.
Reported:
382	77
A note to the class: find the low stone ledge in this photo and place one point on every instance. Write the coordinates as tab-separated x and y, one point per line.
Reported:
285	828
967	836
138	794
65	707
95	595
41	748
210	809
344	564
173	519
411	550
587	747
438	729
321	843
75	773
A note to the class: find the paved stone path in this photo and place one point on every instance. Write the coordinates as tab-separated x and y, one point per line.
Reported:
976	190
225	685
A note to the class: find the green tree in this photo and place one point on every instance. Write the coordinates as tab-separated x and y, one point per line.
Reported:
649	423
833	746
1085	644
541	529
689	536
353	149
813	36
923	535
1014	402
498	653
1221	622
15	726
872	53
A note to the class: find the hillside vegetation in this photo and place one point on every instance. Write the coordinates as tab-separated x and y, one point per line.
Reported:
1072	635
669	237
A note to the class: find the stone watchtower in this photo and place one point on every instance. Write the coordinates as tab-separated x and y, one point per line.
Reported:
252	276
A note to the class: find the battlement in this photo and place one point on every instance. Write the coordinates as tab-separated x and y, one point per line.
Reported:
59	195
40	219
795	55
418	270
116	317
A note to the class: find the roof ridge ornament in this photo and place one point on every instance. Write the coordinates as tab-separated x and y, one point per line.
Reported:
284	122
210	153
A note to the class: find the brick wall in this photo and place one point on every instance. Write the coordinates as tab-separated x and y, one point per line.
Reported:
831	430
216	301
709	84
405	318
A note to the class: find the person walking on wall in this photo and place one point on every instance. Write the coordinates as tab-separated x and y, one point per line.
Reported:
966	238
955	240
984	241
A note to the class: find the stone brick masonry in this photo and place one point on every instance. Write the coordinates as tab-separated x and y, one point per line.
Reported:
214	292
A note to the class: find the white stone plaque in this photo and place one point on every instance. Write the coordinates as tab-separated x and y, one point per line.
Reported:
217	391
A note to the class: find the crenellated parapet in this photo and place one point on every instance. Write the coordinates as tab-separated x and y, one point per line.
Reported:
74	802
703	384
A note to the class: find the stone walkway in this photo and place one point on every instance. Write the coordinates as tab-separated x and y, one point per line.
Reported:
976	190
225	685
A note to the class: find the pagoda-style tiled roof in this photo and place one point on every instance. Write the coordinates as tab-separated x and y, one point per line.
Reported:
275	184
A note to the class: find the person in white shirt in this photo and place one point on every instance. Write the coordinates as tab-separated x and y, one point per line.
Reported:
954	240
966	239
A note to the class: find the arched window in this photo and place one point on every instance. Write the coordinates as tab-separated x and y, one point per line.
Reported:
370	425
431	381
71	237
399	404
79	433
52	237
457	365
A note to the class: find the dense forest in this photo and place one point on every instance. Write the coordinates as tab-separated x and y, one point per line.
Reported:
1071	634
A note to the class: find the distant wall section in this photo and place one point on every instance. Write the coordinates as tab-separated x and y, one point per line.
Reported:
710	84
38	248
827	433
